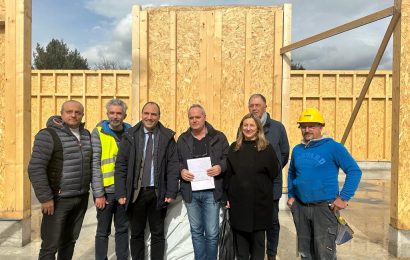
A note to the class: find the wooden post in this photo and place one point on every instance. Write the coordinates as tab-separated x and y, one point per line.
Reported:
15	134
136	56
399	232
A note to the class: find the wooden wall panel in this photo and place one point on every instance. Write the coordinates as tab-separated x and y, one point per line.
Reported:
332	93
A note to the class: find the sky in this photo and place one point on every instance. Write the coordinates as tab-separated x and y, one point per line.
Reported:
101	29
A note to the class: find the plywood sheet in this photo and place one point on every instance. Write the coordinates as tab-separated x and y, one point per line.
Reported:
62	83
328	86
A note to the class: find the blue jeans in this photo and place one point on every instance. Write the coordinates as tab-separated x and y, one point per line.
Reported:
104	217
203	215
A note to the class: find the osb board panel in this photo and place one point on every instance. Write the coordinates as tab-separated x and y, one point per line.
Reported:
77	83
93	86
124	84
160	89
2	105
93	116
377	87
328	86
108	84
47	83
62	83
344	110
188	54
296	85
233	106
261	49
328	108
312	85
360	132
345	87
388	130
294	134
377	129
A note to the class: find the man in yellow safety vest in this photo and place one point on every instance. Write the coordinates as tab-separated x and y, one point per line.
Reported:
105	141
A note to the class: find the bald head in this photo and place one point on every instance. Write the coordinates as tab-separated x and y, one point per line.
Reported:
72	113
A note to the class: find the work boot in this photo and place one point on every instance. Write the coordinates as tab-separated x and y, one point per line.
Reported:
271	257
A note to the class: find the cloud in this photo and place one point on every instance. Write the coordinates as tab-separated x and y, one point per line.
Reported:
351	50
117	49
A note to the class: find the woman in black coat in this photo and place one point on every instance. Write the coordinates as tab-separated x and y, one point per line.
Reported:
252	166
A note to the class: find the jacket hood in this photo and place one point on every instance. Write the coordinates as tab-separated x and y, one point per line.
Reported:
57	122
317	142
106	128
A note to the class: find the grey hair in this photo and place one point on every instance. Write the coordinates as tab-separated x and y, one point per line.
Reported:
117	102
197	106
257	95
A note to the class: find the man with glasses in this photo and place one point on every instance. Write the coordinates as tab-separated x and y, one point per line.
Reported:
199	141
276	134
313	187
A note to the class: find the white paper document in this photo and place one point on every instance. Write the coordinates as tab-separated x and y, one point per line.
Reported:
198	168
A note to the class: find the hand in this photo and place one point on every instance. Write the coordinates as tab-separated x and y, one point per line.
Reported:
122	200
186	175
338	204
48	207
290	202
100	202
168	200
227	205
214	171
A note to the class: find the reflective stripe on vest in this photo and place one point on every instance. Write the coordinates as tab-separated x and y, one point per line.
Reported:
109	150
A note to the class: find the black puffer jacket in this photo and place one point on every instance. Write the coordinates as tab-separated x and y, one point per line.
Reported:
67	173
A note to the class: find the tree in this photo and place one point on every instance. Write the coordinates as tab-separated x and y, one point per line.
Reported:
57	55
109	64
296	66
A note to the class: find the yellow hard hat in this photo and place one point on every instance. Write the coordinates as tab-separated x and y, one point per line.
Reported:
311	115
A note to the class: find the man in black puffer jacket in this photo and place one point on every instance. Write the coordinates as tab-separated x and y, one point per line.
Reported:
60	172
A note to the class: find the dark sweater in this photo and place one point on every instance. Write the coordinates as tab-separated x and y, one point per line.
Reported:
249	185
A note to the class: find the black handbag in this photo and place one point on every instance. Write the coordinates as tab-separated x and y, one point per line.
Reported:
226	241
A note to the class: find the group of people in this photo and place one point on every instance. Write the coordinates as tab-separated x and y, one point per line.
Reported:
136	171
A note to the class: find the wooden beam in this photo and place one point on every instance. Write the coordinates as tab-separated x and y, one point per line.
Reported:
372	71
339	29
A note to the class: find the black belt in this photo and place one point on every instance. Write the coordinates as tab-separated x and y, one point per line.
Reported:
148	188
316	204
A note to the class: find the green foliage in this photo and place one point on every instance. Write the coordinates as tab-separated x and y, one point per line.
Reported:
57	55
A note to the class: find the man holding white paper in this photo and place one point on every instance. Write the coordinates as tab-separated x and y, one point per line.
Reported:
202	149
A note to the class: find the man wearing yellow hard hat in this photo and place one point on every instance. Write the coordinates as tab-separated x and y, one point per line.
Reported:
313	188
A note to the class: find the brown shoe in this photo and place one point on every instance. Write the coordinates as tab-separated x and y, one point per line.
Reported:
271	257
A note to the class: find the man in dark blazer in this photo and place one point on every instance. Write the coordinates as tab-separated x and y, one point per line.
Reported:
146	178
276	134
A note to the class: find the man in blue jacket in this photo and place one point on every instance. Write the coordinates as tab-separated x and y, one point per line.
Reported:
276	134
314	195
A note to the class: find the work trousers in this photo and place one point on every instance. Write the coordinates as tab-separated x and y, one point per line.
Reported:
316	227
104	218
145	207
60	231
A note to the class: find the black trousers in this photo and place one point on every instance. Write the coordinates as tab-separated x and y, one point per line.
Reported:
249	245
143	209
104	217
272	235
61	230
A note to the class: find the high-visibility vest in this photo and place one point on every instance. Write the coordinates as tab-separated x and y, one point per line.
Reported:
109	151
